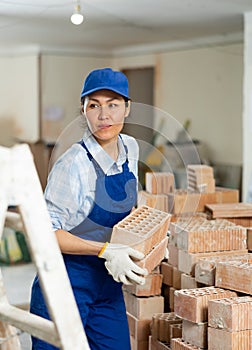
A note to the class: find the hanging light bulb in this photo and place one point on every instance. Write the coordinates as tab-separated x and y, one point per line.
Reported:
77	17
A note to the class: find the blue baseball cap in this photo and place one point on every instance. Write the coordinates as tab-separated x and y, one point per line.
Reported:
106	79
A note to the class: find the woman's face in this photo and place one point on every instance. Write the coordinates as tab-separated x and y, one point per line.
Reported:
105	112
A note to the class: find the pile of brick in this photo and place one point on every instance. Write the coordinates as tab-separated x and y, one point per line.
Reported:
200	178
192	306
160	193
230	323
145	229
158	185
208	263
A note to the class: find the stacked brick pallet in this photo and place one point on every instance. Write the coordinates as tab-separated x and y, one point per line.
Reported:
145	229
192	306
200	250
160	193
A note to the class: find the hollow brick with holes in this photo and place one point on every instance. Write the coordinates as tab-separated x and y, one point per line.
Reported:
192	304
155	344
180	344
160	325
142	229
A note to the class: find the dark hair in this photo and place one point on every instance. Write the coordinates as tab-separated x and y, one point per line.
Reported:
125	99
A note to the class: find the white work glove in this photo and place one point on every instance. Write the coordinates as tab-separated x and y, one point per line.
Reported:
120	265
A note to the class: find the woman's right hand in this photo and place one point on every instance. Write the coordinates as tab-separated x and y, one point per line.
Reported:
120	265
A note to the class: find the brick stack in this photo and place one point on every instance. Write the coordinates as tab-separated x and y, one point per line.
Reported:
200	178
205	267
230	323
164	327
145	229
239	213
141	302
158	185
192	306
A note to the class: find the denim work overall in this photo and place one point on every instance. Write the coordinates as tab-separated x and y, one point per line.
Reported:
99	298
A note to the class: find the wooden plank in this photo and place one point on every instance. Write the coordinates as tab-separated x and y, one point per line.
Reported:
229	210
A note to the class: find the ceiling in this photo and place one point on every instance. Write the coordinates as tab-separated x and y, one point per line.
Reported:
114	25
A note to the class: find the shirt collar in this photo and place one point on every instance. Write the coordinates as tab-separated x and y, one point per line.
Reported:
98	153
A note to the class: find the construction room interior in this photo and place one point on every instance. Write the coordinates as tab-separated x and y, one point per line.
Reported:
188	67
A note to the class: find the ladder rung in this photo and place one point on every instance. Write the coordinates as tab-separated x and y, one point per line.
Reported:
35	325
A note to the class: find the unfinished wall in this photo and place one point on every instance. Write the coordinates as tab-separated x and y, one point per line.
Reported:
19	106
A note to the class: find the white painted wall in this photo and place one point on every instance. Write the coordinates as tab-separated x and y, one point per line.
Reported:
205	85
19	107
247	111
202	84
62	80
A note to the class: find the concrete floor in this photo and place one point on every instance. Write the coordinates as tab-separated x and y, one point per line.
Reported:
17	282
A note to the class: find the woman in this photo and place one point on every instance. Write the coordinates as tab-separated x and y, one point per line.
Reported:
91	188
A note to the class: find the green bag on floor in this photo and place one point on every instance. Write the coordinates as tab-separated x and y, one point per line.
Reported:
13	248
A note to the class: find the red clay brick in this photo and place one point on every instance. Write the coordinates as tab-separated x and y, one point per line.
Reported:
154	257
230	314
157	201
195	333
155	344
143	229
200	178
219	339
171	298
167	272
176	278
159	182
201	235
139	329
205	268
139	344
151	287
192	304
175	331
160	325
173	254
143	308
183	201
235	275
187	261
189	282
180	344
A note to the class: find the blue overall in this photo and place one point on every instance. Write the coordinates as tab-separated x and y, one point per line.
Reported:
99	298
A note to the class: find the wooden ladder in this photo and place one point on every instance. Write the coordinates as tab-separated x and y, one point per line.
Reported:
20	186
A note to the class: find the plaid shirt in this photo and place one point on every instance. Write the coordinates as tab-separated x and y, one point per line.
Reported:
70	189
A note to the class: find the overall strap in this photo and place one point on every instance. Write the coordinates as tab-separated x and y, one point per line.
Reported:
97	167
